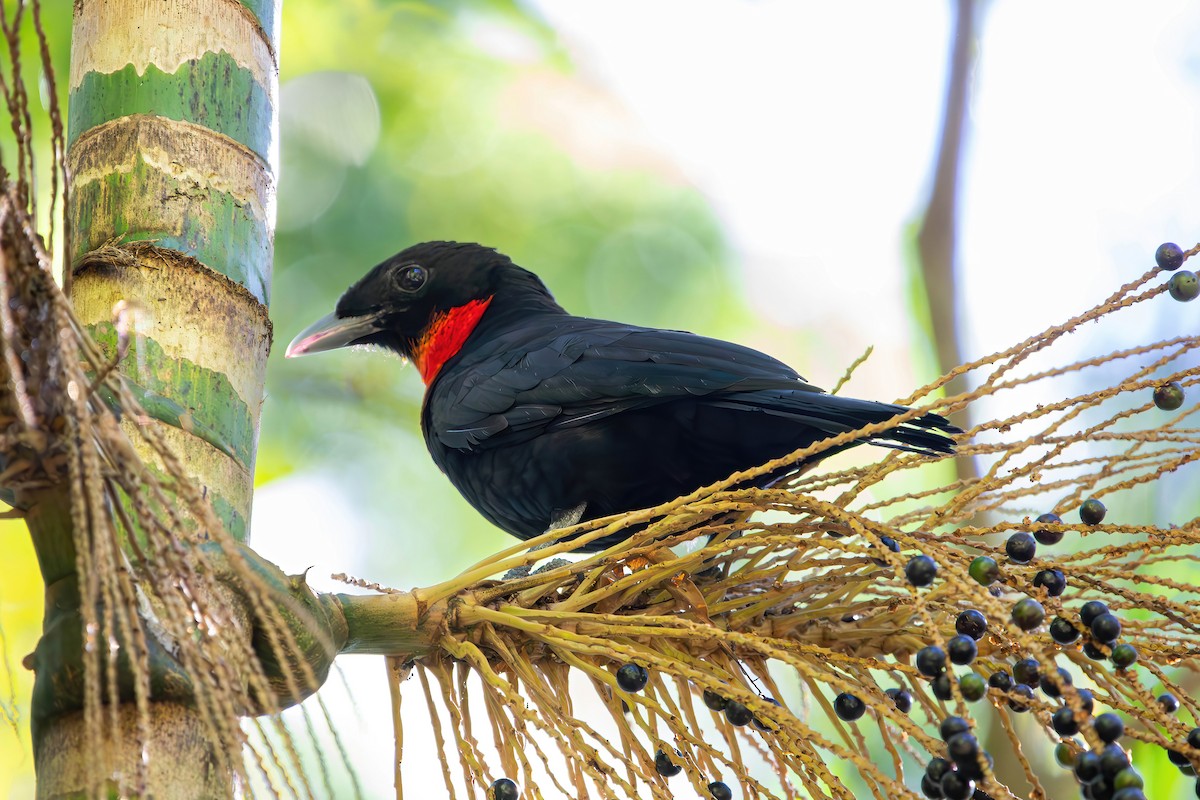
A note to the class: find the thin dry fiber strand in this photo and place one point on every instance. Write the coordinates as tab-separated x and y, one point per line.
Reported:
812	592
139	578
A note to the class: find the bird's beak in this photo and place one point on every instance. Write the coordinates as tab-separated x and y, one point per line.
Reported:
331	332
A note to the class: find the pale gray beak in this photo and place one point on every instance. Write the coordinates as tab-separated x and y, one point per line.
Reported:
331	332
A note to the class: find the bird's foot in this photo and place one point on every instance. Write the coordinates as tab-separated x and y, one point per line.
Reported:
559	520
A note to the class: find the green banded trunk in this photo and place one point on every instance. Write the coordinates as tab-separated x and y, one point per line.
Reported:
172	142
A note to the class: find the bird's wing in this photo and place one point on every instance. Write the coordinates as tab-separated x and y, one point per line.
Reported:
590	370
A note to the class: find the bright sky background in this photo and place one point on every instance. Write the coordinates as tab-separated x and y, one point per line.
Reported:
811	129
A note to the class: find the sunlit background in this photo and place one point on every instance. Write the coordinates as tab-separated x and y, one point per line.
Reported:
748	170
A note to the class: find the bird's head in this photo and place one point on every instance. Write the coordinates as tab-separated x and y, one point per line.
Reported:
421	303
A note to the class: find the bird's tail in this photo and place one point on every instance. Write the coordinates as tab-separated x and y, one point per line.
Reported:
832	415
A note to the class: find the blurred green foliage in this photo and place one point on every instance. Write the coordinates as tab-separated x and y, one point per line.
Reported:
405	122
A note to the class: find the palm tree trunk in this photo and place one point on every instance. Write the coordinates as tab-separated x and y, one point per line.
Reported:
171	141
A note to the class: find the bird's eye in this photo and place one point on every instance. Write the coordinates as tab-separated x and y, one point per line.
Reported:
412	278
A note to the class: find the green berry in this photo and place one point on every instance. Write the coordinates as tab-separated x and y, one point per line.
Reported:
972	686
1124	656
1028	614
985	570
1169	396
1064	755
1128	778
1183	286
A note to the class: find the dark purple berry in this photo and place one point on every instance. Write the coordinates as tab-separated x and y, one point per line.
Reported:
1092	511
956	786
984	570
963	748
1109	727
1027	670
1178	759
1064	722
1087	766
1094	652
503	789
632	678
962	650
890	544
1091	609
971	623
714	701
901	699
1052	580
664	766
940	686
1169	256
931	660
1106	628
1028	613
1000	680
1087	700
1169	396
951	726
1063	632
1053	689
738	714
937	767
1018	703
931	788
718	790
1113	759
920	570
1049	537
1193	738
1183	286
1168	702
1021	547
849	707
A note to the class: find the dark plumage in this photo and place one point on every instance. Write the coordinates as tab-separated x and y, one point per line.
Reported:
531	411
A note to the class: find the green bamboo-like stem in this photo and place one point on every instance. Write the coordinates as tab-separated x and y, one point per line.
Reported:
171	141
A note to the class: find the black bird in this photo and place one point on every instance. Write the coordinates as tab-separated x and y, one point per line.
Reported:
540	418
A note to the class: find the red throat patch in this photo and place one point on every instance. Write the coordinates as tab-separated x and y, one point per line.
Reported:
445	335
